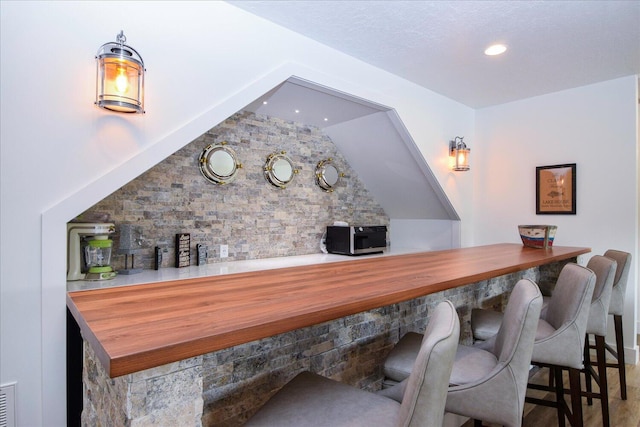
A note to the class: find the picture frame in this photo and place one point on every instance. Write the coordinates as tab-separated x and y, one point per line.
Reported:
556	189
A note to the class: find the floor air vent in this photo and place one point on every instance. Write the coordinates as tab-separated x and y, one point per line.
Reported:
8	405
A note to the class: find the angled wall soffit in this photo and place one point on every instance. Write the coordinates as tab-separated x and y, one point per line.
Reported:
374	141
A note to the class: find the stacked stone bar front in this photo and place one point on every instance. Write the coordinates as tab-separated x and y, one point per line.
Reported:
225	387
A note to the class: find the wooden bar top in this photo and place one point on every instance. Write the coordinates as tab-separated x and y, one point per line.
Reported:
132	328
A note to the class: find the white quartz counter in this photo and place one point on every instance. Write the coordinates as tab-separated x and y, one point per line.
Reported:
219	268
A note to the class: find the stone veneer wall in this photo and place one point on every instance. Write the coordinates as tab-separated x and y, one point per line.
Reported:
170	395
225	387
256	219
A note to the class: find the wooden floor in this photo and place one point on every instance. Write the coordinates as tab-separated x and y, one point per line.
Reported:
623	413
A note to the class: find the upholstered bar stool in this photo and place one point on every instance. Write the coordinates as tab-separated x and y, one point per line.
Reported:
312	400
608	275
605	270
487	383
560	339
616	308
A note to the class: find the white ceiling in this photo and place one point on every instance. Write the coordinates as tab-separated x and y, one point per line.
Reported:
552	45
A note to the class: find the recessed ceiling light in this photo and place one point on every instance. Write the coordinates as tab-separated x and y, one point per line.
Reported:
264	102
297	111
326	119
495	49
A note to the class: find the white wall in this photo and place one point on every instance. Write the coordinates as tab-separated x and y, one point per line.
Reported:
60	154
638	201
424	234
593	126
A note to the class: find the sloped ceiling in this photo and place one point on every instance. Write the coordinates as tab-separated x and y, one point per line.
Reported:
373	141
391	167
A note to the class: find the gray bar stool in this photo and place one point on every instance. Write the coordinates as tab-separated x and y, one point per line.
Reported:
487	383
605	270
616	308
609	274
560	339
311	400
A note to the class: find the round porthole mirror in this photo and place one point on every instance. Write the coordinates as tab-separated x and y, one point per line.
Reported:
219	163
327	175
279	170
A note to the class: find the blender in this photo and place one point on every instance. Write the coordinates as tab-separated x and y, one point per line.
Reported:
97	255
89	251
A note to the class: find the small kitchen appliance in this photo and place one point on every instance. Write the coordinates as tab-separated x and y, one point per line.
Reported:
89	251
356	240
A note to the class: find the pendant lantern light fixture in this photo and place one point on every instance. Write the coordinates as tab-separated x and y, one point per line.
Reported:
459	150
119	77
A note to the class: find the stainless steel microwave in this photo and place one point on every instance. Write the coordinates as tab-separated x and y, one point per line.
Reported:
356	240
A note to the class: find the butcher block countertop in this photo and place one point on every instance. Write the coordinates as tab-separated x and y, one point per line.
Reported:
132	328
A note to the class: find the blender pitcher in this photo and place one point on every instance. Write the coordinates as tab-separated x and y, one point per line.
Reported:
98	256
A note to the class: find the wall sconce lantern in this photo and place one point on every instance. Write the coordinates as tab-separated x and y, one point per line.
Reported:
459	150
119	77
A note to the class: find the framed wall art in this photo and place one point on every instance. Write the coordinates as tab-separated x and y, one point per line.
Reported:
556	189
